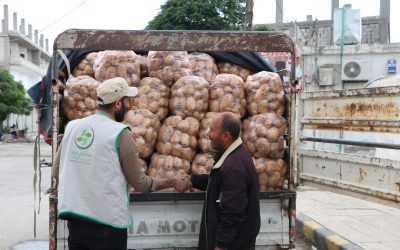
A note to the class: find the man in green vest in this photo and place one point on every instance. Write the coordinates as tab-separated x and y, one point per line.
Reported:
96	160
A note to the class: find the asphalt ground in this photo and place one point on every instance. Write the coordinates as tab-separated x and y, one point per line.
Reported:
17	199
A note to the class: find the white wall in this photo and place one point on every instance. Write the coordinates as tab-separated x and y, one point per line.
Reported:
376	57
23	121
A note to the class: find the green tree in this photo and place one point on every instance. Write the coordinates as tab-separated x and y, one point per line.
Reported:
12	97
199	15
263	27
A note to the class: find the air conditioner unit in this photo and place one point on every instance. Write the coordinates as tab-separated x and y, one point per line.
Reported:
325	76
356	71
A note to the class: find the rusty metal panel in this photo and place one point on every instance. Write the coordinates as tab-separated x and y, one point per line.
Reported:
375	109
372	176
174	40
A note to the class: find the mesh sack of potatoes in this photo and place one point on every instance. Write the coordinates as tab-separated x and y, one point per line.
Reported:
113	63
203	65
167	166
271	173
154	96
189	97
143	167
85	67
177	137
168	66
227	94
229	68
264	93
144	126
263	135
80	97
143	66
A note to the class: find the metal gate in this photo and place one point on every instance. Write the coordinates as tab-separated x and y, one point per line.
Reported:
349	141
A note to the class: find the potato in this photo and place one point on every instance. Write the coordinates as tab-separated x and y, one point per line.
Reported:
263	178
260	168
263	147
168	66
145	131
228	68
185	140
264	93
270	166
112	63
272	134
189	97
263	135
78	102
273	180
164	147
85	67
154	96
227	94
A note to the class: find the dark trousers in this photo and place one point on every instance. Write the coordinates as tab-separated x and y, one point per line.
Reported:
92	236
241	248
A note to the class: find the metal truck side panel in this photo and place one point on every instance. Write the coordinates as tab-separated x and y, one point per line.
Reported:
176	224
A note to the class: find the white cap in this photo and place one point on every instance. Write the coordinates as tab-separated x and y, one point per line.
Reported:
114	89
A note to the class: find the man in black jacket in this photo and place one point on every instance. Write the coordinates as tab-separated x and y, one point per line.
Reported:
231	214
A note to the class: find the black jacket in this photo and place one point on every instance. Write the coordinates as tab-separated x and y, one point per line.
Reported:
231	214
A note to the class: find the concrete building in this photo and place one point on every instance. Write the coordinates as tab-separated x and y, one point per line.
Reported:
325	64
313	32
361	65
25	54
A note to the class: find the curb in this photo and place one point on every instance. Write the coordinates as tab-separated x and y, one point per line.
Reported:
322	237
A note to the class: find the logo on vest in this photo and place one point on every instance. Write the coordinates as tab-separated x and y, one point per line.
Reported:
85	138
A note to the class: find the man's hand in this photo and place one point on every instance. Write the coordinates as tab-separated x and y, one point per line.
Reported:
217	248
182	183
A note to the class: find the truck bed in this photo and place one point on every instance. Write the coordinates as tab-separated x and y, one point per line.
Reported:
172	220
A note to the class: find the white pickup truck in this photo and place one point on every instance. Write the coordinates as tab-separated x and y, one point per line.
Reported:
172	220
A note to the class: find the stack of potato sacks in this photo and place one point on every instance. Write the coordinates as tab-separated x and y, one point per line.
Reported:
179	94
263	131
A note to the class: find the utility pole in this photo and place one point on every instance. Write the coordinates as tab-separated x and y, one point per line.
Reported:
248	18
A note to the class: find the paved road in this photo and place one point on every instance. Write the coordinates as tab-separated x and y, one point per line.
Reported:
368	224
16	194
16	199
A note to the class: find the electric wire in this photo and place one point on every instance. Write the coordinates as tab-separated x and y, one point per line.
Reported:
51	24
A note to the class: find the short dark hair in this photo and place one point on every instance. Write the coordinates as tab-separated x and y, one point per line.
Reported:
104	106
231	123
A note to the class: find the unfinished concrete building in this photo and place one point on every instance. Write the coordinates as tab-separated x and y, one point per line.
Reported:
25	54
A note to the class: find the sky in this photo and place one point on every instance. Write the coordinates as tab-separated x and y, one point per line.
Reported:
52	17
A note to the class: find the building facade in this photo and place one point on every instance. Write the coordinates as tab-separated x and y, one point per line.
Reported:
326	64
26	56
